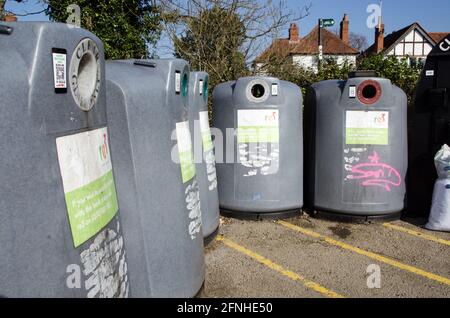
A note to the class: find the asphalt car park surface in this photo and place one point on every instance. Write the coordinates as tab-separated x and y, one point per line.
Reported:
308	257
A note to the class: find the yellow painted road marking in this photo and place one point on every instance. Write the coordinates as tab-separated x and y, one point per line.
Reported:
377	257
415	233
278	268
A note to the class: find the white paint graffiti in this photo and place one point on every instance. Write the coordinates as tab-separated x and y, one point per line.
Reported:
211	170
352	156
193	205
351	160
256	157
105	266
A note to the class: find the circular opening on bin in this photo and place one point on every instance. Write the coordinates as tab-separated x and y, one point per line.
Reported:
369	92
87	75
258	91
184	85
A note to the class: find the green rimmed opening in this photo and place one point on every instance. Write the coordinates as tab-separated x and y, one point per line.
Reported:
205	89
184	85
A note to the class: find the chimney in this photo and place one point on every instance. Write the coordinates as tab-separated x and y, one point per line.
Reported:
10	18
379	36
345	30
293	32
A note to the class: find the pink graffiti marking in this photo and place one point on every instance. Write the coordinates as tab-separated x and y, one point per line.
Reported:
376	174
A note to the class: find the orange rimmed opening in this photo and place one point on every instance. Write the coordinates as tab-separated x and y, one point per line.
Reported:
369	92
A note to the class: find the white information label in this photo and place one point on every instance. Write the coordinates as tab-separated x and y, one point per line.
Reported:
59	70
258	117
185	151
204	122
352	92
88	182
177	82
83	158
200	86
367	128
362	119
429	73
258	125
274	89
183	136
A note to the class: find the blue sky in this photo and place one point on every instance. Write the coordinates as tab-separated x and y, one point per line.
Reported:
433	15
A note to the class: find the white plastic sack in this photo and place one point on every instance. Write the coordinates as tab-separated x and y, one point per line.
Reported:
440	211
442	162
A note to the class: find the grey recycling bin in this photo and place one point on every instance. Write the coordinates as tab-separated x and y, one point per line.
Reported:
159	198
429	128
260	166
59	227
204	154
356	147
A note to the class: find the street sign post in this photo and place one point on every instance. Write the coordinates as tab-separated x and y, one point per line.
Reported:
323	23
320	52
326	23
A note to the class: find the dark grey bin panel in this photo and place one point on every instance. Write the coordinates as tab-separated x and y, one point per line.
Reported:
429	128
356	148
38	257
162	230
262	175
203	152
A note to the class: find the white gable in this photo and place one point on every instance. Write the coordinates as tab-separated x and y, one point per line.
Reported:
413	44
427	48
410	37
418	37
418	50
409	49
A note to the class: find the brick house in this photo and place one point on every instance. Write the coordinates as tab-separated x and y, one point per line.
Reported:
9	18
304	51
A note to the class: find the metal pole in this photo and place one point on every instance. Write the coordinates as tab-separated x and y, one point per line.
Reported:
319	64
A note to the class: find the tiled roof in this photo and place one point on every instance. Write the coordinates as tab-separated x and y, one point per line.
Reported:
438	36
332	44
308	45
280	47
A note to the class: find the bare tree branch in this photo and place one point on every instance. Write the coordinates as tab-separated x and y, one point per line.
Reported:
262	20
356	40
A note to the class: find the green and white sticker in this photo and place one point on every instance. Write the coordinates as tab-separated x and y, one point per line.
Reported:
205	131
90	192
367	128
59	70
185	151
258	125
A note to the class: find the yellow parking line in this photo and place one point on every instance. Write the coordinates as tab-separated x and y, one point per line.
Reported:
418	234
377	257
278	268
